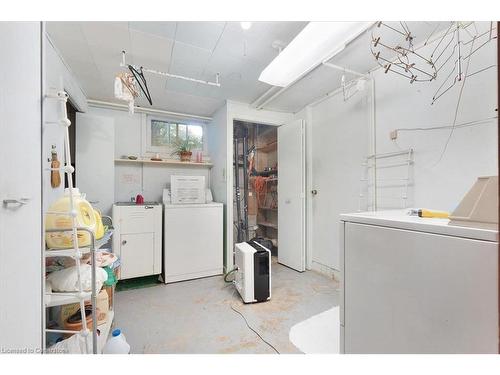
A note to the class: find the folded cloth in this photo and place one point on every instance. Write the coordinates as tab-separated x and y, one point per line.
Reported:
102	258
66	280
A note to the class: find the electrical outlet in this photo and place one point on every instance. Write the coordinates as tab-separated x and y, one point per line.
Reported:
394	135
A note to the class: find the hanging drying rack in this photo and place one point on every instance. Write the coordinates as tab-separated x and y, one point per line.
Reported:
124	64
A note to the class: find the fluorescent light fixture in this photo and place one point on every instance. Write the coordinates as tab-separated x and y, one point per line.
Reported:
245	25
317	42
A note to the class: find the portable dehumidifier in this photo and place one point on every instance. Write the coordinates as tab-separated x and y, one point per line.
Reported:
253	271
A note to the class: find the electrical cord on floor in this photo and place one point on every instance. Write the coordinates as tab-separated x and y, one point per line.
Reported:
251	328
229	273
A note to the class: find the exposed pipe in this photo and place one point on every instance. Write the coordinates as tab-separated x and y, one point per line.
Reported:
346	70
256	102
124	107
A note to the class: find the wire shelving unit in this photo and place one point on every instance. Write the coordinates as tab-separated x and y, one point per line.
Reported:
93	341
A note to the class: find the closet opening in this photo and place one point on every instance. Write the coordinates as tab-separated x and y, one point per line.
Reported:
255	188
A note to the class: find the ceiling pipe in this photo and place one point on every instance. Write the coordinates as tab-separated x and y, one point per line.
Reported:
324	62
283	89
123	107
256	102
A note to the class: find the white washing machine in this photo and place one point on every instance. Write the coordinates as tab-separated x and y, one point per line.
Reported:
193	241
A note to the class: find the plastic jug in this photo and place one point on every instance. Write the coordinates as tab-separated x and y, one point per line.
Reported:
85	218
117	344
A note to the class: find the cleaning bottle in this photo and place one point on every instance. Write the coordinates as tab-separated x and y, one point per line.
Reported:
117	344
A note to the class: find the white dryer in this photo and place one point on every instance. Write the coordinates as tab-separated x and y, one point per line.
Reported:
417	285
193	241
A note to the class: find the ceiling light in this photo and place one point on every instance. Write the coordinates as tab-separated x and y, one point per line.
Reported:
245	25
317	42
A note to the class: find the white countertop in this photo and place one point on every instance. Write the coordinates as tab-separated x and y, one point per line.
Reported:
399	219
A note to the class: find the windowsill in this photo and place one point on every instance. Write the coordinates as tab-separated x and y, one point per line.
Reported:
166	162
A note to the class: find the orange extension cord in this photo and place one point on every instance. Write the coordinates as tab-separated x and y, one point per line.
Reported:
260	186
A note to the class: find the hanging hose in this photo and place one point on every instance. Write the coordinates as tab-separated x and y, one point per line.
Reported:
229	273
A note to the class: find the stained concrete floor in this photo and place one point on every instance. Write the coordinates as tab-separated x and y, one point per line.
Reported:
196	317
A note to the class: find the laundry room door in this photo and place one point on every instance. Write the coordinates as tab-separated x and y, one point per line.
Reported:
291	195
340	132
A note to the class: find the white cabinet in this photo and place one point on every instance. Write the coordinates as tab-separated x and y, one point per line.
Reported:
137	239
413	285
193	241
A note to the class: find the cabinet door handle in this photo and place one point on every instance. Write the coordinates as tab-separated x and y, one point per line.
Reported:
124	242
20	201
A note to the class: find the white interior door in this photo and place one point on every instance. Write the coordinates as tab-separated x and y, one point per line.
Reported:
291	195
340	142
95	155
20	188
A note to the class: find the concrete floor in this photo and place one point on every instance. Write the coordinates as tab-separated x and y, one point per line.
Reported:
196	317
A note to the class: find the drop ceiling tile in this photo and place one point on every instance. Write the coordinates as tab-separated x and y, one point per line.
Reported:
189	60
233	67
315	85
256	43
113	35
161	29
185	103
239	58
200	34
150	51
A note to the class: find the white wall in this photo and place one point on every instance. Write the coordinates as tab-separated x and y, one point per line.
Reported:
57	77
132	179
20	225
218	151
472	151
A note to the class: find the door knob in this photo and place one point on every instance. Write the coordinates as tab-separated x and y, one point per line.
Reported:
124	242
314	192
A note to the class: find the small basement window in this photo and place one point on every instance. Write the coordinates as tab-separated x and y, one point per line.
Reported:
161	135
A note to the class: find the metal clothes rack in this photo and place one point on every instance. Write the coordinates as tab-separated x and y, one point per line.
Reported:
79	296
400	163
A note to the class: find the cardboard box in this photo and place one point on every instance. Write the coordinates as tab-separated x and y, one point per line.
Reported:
252	203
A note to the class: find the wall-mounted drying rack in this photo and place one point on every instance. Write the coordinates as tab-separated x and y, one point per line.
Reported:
390	172
124	64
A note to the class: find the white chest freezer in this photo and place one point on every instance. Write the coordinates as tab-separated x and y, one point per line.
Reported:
416	285
193	241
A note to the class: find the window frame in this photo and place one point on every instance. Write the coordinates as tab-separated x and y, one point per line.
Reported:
148	150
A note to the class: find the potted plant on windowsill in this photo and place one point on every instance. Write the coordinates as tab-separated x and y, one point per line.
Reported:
183	148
